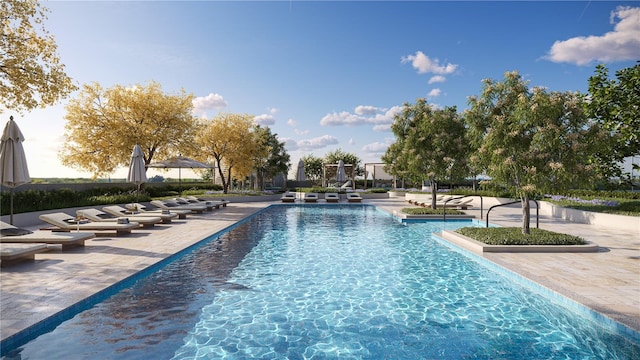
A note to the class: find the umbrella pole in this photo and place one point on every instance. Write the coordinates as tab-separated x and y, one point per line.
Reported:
11	206
180	181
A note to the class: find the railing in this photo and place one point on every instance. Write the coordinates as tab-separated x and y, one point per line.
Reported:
444	206
514	202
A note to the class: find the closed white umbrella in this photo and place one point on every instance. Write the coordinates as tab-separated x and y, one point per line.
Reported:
137	171
12	160
341	176
300	175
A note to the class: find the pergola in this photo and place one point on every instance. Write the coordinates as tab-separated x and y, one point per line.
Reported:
329	172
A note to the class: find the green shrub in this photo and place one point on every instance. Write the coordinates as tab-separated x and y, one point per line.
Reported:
514	236
430	211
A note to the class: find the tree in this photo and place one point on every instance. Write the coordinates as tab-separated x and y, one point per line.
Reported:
313	167
271	157
616	107
431	144
103	125
532	141
333	157
31	74
228	140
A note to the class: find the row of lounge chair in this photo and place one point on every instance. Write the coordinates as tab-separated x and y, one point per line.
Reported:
313	197
445	201
69	231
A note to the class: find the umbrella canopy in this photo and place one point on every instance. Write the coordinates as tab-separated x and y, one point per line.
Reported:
341	175
179	162
300	176
137	171
13	162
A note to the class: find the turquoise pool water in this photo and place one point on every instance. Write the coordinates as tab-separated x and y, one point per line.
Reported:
327	282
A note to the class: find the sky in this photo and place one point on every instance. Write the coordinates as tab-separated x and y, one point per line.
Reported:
324	75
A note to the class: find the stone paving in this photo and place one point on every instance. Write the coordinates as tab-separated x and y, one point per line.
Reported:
607	281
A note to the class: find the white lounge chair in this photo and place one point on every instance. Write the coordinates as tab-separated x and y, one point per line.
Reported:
97	215
65	222
288	197
143	209
167	216
12	234
310	197
171	205
195	200
332	197
13	253
354	197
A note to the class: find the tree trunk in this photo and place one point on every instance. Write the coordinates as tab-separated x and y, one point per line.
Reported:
526	214
434	194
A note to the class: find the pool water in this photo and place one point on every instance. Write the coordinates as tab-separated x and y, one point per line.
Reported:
327	282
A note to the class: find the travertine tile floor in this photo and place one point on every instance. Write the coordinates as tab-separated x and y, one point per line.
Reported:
607	281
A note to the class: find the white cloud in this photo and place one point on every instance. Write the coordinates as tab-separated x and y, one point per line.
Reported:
209	102
292	123
301	132
434	93
309	144
365	110
437	79
424	64
273	111
382	128
364	115
264	120
352	141
621	44
375	148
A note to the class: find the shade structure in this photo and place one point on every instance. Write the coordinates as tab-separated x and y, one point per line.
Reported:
13	162
300	175
341	175
180	162
137	170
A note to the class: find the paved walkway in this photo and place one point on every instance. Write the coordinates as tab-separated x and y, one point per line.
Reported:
607	281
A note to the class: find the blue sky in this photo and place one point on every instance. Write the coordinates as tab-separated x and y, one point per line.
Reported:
325	75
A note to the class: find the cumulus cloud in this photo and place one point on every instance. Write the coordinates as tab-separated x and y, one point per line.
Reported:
425	64
437	79
621	44
362	115
292	123
434	93
301	132
382	128
264	120
210	102
309	144
375	148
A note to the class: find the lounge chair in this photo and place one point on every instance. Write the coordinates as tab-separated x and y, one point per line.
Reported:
182	201
171	205
195	200
167	216
288	197
12	234
332	197
65	222
12	253
457	204
310	197
143	209
97	215
354	197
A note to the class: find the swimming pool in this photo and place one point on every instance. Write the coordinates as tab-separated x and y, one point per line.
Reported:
327	282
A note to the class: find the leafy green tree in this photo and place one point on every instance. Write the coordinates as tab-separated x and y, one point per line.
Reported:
430	144
271	157
31	73
333	157
313	168
616	106
103	125
532	141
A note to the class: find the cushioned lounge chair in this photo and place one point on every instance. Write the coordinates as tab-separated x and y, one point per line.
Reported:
64	222
310	197
170	205
195	200
354	197
288	197
97	215
167	216
13	253
12	234
143	209
332	197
